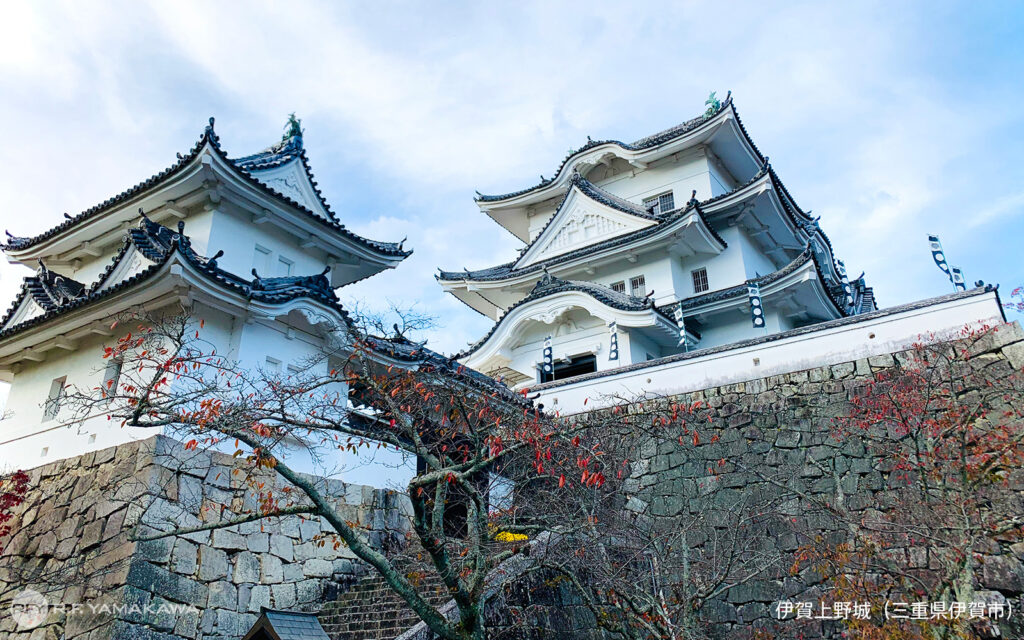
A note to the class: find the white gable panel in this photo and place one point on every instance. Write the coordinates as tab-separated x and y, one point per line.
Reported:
131	264
292	181
27	310
580	222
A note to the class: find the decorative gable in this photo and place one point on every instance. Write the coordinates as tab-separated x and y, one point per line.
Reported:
132	263
579	222
27	309
291	181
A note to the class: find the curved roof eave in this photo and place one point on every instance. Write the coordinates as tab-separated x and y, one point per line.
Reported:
209	139
739	292
630	151
209	272
602	295
506	272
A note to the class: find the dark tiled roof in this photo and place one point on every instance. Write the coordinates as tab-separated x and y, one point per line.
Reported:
158	243
508	269
550	285
637	145
245	170
50	290
740	290
281	154
403	349
288	625
597	194
821	326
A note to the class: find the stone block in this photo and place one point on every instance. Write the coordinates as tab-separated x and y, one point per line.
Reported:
169	585
223	595
156	551
258	542
317	568
1003	573
272	571
247	568
284	596
308	591
259	597
308	529
224	539
281	546
230	624
213	564
185	557
92	534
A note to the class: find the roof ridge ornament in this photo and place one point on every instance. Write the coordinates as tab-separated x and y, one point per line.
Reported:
713	103
293	130
212	262
693	202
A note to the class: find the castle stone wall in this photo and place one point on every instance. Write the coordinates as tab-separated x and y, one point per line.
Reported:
72	543
775	432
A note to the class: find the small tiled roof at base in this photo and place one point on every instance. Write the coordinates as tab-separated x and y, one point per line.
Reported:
286	625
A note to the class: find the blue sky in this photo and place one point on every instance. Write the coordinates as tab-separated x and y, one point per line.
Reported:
890	120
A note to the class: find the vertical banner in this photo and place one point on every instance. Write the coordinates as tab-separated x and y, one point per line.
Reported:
756	311
939	256
613	330
845	280
681	323
957	276
548	365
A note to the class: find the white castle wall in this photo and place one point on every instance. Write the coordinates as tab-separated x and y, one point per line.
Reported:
874	334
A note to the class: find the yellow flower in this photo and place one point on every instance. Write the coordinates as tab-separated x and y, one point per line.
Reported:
507	536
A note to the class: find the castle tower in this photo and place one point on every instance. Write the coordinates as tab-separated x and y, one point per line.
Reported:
664	243
248	245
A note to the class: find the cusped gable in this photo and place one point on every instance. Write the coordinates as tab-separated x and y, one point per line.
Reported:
583	220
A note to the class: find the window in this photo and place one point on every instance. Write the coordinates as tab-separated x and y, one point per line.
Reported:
284	266
54	399
92	438
573	367
261	261
700	280
619	286
660	204
638	286
45	451
111	375
273	365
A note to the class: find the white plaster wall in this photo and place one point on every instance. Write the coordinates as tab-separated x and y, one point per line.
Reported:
755	263
721	182
238	236
844	343
23	432
691	171
734	325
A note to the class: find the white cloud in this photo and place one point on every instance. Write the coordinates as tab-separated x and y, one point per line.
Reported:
409	108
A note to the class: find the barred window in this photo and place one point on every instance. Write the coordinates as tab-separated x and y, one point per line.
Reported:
54	399
638	286
700	280
111	376
619	286
660	204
